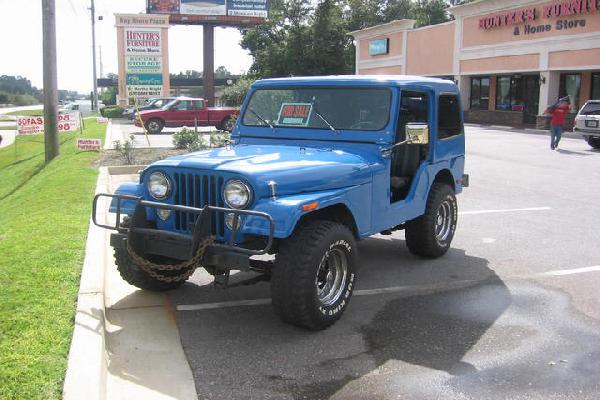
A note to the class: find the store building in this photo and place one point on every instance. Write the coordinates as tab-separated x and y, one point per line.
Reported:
510	58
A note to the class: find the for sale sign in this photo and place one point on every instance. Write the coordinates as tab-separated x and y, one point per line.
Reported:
294	114
69	122
89	144
30	125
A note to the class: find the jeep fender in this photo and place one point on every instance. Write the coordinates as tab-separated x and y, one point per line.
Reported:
127	206
287	211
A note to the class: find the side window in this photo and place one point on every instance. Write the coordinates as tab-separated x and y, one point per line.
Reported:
198	105
414	107
183	105
449	121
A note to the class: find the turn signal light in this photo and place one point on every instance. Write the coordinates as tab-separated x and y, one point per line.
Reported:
310	206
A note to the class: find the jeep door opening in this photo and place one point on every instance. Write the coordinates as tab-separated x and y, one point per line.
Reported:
315	165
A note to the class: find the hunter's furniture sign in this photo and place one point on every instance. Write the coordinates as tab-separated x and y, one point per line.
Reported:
143	56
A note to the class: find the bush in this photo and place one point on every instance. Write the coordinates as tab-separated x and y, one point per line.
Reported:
187	139
234	95
126	149
112	112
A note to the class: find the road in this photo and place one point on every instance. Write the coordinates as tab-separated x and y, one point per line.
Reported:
512	311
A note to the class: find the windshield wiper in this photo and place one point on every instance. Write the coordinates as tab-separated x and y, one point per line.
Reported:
322	117
264	121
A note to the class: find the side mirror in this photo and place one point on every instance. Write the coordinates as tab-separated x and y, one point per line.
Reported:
417	133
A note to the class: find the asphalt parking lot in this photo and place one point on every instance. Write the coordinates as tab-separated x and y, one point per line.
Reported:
511	312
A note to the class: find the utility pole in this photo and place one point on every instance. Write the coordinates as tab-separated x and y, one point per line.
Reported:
51	145
209	63
95	94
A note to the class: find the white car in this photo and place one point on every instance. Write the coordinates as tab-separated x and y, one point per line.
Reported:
587	123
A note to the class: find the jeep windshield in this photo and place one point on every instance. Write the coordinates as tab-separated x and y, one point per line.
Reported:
320	108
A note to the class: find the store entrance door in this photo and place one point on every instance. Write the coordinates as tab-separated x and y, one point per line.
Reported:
531	97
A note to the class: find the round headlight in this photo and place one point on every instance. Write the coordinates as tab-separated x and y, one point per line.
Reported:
237	194
159	185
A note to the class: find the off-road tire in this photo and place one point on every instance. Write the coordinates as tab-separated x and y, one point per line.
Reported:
135	276
154	126
295	275
227	124
594	142
420	233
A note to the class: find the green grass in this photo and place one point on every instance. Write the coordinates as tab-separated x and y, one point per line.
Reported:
44	214
25	113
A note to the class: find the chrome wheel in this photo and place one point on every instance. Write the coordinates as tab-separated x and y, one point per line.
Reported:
331	277
153	126
229	124
444	221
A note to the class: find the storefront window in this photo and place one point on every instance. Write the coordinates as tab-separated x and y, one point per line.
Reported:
595	94
570	84
517	93
504	93
480	93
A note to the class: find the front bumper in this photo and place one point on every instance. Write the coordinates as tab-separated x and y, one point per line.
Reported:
149	241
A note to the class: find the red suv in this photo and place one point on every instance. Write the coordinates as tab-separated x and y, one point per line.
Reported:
185	111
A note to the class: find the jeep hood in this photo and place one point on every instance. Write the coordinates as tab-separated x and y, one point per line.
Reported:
294	169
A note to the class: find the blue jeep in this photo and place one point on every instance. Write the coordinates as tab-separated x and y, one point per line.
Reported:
314	165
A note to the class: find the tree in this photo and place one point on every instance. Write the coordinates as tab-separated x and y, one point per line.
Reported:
234	95
222	72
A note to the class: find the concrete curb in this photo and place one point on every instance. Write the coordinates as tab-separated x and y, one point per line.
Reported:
528	131
87	364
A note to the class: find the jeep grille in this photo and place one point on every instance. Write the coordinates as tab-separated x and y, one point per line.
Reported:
199	190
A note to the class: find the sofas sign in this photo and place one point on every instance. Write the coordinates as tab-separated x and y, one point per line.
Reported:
531	15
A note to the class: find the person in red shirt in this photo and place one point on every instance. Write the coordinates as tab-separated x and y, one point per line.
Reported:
558	112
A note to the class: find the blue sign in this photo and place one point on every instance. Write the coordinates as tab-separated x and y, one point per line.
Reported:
379	46
144	79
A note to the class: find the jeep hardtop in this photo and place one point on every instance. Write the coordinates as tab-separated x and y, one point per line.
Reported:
314	165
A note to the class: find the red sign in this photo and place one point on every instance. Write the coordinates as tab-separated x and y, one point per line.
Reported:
295	114
30	125
557	10
89	144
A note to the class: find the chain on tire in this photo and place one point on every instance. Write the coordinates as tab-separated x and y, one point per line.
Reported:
188	267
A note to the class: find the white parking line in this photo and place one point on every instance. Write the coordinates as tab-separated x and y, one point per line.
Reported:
504	211
561	272
412	289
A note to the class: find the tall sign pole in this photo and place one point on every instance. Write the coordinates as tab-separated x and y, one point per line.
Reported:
208	49
52	147
95	94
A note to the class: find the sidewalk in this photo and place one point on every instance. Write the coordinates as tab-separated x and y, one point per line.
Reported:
126	343
531	131
120	130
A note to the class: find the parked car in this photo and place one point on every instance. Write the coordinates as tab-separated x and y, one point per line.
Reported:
315	165
187	111
150	104
587	123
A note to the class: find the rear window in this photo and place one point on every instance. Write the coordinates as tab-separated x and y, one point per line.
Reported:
591	109
320	108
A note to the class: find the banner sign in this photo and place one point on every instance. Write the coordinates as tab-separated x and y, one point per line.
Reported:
144	92
30	125
144	79
248	8
229	8
143	64
102	120
89	144
163	6
294	114
142	41
68	122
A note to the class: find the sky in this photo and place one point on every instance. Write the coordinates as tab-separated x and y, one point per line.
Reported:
21	42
